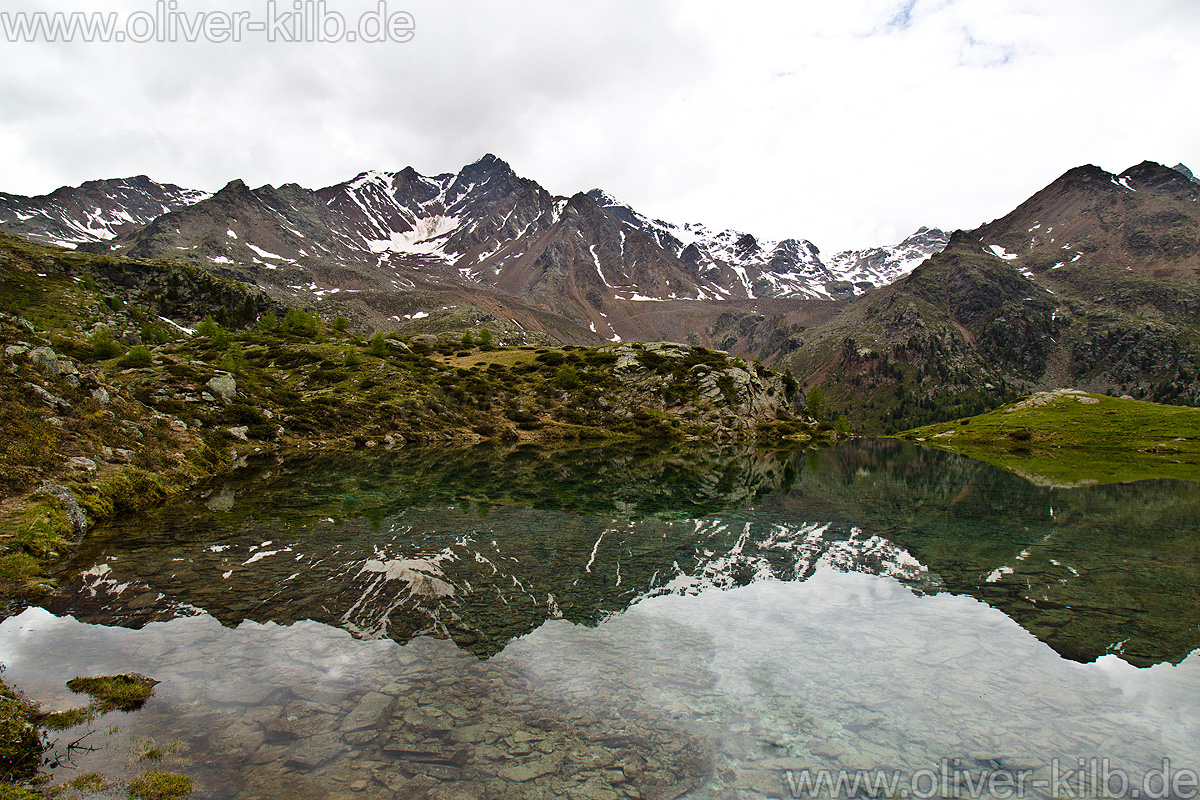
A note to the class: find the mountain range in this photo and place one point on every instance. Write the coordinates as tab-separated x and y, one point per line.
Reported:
93	212
1092	282
483	237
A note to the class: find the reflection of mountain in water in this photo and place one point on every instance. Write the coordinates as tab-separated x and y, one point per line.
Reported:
1088	570
484	546
481	581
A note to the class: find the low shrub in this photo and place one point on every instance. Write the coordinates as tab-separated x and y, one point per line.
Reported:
104	346
136	358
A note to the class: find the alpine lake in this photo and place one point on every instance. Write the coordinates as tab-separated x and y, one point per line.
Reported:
607	623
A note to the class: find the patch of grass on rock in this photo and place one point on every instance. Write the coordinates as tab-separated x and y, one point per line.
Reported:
126	692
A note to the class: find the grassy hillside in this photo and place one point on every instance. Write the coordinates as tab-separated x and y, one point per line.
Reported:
1067	437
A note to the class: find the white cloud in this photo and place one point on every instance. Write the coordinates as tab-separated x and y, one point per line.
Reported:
848	123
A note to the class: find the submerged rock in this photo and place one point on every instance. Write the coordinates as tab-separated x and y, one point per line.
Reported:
370	710
520	773
314	751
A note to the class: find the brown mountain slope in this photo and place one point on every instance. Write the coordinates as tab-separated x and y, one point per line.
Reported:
968	330
95	210
1147	219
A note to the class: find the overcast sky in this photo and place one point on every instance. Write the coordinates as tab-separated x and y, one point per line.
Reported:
849	123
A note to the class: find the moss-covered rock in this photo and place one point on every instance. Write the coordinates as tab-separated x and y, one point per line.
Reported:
125	692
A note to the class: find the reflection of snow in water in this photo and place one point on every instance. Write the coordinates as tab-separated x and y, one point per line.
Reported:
843	670
430	576
765	551
422	577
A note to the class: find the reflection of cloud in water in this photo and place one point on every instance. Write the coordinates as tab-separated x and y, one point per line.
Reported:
843	671
1168	693
854	664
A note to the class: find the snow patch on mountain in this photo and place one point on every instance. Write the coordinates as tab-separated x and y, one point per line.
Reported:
427	236
729	263
93	212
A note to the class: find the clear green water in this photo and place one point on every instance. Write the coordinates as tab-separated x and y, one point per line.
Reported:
639	623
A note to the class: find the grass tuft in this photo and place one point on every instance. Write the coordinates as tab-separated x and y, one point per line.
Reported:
125	692
157	784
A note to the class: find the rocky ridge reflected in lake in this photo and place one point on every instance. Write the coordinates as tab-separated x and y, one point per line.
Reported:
481	549
602	624
725	694
484	546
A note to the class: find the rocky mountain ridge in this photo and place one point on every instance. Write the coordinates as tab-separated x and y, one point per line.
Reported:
484	231
1187	173
1089	283
742	265
92	212
1092	283
1146	219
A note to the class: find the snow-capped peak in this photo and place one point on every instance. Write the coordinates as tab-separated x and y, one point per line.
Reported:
731	263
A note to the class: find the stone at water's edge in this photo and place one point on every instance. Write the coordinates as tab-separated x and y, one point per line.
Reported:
71	507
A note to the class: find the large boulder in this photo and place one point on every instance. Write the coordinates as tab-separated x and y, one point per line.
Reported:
45	361
223	385
732	394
